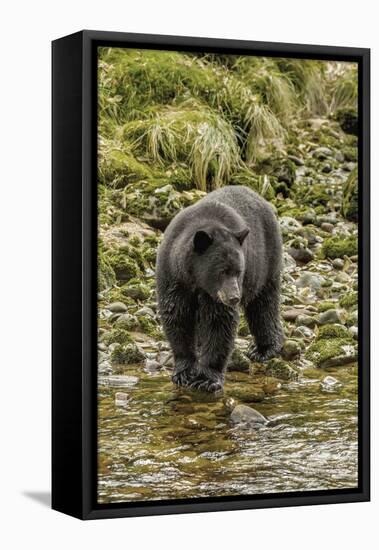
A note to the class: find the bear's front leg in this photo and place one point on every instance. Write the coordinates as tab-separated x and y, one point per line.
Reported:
263	317
177	308
217	327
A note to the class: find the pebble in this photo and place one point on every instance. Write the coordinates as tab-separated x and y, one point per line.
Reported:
117	307
322	153
145	311
243	414
354	332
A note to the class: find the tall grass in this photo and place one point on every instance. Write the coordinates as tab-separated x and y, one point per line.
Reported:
191	133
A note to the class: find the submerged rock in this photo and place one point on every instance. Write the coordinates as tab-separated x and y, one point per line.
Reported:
243	414
118	380
121	399
280	369
330	384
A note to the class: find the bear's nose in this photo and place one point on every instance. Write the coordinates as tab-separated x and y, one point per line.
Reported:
234	300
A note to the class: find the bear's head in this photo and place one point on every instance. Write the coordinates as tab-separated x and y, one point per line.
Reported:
219	263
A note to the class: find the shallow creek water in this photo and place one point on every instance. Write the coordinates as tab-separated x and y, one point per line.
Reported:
168	443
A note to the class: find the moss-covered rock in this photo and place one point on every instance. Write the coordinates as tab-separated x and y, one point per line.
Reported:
238	361
280	369
350	300
332	352
117	336
136	290
333	331
127	354
349	207
337	247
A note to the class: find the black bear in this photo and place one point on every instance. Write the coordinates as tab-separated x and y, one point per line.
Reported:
224	251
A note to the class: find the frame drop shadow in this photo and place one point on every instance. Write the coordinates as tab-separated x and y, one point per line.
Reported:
42	497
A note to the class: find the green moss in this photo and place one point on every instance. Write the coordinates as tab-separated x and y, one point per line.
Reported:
117	335
149	326
349	300
126	354
337	247
325	306
326	352
124	267
136	290
333	331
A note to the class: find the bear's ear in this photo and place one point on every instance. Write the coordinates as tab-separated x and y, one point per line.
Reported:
201	241
241	235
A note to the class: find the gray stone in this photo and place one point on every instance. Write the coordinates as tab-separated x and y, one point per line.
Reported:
338	263
354	332
322	153
311	280
288	225
330	384
145	311
301	255
152	366
243	414
330	316
303	332
306	320
328	227
117	307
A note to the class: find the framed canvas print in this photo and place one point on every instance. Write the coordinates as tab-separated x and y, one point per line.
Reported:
210	274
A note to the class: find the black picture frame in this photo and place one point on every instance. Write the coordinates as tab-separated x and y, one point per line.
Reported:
74	205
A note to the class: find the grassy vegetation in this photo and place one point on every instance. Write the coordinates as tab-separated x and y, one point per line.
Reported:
209	116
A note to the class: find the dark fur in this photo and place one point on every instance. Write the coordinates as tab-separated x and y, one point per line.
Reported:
224	250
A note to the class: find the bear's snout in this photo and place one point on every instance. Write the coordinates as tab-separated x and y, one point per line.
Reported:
229	294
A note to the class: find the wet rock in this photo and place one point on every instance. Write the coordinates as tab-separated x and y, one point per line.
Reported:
290	350
117	307
243	414
280	369
311	280
229	403
238	361
118	380
330	316
330	384
121	399
152	366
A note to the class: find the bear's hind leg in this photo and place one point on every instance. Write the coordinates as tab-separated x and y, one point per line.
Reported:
217	328
177	311
263	317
